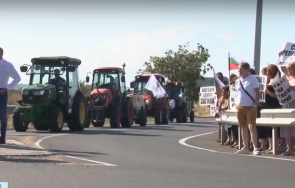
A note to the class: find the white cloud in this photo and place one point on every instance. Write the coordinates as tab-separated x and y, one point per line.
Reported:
227	37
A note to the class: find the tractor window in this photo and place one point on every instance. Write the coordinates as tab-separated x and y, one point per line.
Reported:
140	89
173	90
103	79
42	74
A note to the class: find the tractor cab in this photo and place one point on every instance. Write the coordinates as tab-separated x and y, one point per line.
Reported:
108	84
53	96
174	90
56	76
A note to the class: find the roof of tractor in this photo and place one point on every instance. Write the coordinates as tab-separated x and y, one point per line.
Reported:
173	83
58	60
148	75
110	68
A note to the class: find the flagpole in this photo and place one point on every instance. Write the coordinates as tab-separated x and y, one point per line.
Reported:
228	68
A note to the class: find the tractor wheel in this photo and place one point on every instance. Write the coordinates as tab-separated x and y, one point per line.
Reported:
128	117
56	119
79	114
184	112
158	116
19	126
166	113
87	125
115	117
99	123
40	126
143	117
179	116
192	116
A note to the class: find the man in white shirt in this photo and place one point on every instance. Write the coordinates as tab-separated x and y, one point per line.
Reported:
7	71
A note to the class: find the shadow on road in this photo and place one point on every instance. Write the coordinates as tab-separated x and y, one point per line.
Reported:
18	147
99	131
76	153
166	128
35	160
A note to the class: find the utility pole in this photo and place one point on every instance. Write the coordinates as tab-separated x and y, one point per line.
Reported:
257	43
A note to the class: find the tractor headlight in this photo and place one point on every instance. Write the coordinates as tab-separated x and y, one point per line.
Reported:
25	92
147	101
180	95
38	92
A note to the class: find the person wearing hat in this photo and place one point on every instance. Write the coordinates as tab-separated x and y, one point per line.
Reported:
7	71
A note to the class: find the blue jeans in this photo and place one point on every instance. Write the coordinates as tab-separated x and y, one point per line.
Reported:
3	114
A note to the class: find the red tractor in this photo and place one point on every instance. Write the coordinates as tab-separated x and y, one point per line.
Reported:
109	99
157	108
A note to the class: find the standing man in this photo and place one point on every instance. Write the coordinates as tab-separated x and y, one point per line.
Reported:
7	71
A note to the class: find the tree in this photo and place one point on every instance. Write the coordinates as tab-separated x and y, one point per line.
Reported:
183	66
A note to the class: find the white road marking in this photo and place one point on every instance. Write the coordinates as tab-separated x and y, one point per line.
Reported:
37	143
183	142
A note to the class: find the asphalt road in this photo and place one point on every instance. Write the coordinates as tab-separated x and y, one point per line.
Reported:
145	157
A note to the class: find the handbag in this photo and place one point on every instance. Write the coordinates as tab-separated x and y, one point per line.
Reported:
247	92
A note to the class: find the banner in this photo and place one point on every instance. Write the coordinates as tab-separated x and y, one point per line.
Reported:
282	89
262	85
207	96
288	54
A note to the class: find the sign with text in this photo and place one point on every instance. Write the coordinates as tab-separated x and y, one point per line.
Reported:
3	185
232	96
288	54
207	96
282	89
262	85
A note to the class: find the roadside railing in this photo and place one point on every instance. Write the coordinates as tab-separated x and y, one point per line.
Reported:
269	117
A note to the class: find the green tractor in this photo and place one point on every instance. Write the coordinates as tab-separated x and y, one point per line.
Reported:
180	108
53	96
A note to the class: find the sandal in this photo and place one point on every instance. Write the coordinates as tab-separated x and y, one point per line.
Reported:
218	140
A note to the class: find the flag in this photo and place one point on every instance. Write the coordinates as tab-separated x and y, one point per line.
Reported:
233	64
154	86
218	84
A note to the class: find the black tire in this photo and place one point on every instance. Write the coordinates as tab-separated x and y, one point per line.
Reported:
128	117
171	118
99	123
19	126
179	116
88	122
56	119
158	116
115	117
184	112
166	113
40	126
79	114
192	116
143	117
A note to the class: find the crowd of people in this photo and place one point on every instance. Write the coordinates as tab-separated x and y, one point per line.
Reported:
256	138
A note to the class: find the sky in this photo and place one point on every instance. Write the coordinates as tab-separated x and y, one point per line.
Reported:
109	33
